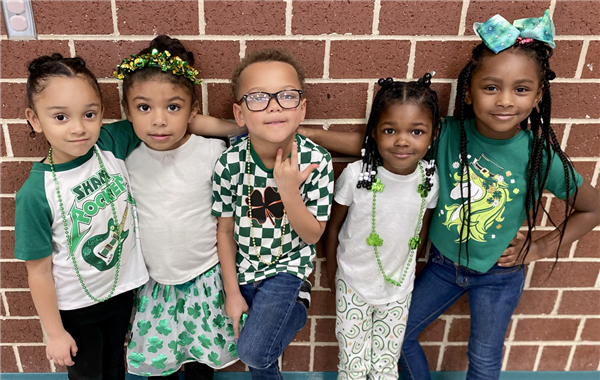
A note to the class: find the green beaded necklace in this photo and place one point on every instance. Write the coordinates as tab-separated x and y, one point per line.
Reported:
375	241
64	218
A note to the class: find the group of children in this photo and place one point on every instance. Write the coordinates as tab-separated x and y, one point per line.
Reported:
212	247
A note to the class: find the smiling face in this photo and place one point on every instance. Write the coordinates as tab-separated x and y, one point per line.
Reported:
160	112
503	91
274	126
403	136
68	111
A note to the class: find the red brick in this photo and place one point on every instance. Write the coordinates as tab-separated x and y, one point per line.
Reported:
443	94
326	359
434	332
325	17
565	274
432	354
220	101
576	100
304	334
584	140
296	358
522	358
7	212
589	245
23	145
102	57
14	276
214	59
310	53
586	358
546	329
20	304
328	101
591	329
2	310
325	330
14	100
14	175
446	58
460	307
33	359
537	302
419	17
2	27
586	169
459	330
565	58
482	10
7	243
21	331
554	358
3	152
577	17
245	17
360	128
585	302
110	100
322	303
157	17
8	361
369	59
455	358
72	17
16	55
238	366
591	67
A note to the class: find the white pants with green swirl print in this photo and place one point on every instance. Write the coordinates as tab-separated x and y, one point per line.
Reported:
369	336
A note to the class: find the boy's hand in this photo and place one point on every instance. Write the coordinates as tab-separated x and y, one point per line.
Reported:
286	173
60	348
235	306
512	255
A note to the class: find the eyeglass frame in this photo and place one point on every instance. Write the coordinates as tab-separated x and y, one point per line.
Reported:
271	96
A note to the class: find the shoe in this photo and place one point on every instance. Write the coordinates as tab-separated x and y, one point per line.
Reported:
304	294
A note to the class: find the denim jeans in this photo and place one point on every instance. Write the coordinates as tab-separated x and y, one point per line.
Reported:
493	296
274	319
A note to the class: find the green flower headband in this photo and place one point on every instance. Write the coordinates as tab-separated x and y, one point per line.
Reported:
162	60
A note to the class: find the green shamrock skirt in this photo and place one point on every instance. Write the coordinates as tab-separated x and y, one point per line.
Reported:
175	324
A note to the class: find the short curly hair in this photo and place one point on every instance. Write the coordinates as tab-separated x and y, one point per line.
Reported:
265	55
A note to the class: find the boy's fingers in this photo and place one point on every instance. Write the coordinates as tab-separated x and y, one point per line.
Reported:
306	172
73	349
236	326
294	155
278	157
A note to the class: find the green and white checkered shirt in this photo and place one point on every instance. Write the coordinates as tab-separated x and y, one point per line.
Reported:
230	193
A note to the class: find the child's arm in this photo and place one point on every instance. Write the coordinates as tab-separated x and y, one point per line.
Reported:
338	215
348	143
585	217
288	179
235	304
61	346
211	126
424	232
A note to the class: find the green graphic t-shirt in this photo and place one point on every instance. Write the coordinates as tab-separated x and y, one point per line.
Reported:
498	170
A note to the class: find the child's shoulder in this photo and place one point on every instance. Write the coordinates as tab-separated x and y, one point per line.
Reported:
35	185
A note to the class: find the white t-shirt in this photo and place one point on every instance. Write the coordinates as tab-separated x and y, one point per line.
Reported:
173	190
397	216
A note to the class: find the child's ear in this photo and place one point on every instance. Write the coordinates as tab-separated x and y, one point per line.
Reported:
468	99
239	116
303	109
538	96
33	120
194	111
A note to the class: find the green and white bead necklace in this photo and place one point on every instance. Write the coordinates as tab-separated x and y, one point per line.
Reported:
64	218
375	241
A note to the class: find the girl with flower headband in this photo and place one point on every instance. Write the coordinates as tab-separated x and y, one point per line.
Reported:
495	161
376	261
179	314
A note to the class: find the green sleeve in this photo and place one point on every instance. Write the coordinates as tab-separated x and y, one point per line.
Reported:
557	179
119	138
33	220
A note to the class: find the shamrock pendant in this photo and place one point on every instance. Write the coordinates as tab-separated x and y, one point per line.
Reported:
377	186
374	240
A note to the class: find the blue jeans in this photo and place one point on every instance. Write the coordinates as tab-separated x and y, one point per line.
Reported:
493	296
274	319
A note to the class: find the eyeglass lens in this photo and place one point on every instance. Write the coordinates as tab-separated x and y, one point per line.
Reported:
259	101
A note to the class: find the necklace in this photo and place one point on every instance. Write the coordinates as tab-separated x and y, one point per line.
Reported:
283	222
375	241
64	219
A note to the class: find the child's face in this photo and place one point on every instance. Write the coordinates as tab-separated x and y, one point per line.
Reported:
68	112
503	91
160	112
274	125
403	136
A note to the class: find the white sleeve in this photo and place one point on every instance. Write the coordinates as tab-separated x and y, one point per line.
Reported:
345	186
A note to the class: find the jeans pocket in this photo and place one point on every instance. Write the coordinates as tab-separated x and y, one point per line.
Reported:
435	256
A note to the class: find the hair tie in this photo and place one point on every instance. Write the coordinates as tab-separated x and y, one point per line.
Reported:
425	81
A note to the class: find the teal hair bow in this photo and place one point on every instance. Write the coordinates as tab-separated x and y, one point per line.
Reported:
498	34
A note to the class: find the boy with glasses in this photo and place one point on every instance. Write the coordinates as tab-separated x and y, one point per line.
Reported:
272	194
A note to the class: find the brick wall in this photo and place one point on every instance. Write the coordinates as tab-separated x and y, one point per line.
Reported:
346	46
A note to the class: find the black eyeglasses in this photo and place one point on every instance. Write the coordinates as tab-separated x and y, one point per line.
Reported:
259	101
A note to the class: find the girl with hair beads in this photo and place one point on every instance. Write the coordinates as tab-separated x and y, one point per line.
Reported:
75	222
397	190
179	315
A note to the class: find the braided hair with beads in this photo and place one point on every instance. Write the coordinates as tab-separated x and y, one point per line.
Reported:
391	93
544	147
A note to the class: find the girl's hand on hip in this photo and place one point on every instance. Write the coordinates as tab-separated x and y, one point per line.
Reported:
61	348
235	306
286	173
513	256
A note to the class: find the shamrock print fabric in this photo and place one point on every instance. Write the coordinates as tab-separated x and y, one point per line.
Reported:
175	324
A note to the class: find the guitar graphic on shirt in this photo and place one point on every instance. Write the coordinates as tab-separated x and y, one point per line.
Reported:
100	251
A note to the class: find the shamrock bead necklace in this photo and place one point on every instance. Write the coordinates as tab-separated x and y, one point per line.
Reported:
69	242
375	241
